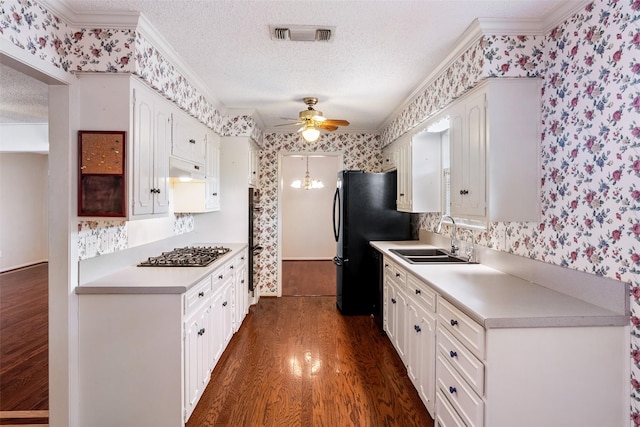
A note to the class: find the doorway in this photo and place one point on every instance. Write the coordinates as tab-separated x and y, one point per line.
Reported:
306	229
24	385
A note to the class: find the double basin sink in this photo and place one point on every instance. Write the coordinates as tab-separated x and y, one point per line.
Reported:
429	256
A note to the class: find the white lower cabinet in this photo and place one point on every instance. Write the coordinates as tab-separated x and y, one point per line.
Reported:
145	359
198	337
420	364
472	376
410	323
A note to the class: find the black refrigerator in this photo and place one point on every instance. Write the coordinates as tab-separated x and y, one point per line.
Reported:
364	209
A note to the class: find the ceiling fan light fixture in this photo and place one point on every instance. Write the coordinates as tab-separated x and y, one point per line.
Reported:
310	133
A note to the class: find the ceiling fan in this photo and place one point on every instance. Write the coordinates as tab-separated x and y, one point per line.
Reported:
312	121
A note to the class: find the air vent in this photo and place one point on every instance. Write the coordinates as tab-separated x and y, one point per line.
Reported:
323	35
281	33
302	33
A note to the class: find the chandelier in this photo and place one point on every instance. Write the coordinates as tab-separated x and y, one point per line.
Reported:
307	183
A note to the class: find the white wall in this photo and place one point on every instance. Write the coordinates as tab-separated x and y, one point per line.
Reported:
23	213
307	227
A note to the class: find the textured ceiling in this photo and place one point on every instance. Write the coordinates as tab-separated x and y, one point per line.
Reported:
23	99
380	53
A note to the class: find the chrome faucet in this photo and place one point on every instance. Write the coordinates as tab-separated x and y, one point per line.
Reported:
454	248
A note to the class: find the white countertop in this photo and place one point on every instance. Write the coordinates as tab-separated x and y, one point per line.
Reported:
499	300
157	280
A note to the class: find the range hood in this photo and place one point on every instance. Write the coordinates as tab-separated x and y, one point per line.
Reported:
179	168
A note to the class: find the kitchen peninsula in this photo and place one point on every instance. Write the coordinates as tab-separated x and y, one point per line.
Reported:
149	337
487	348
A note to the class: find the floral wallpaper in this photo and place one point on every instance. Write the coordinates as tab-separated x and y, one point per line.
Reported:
590	162
360	151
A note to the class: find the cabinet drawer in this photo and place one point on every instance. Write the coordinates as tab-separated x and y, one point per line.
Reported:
421	293
464	400
395	273
446	416
467	331
240	260
461	359
197	295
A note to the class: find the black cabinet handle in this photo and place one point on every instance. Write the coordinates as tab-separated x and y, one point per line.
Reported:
464	192
200	294
196	167
231	267
417	328
452	390
192	141
454	322
220	276
393	300
453	354
224	304
397	274
418	291
201	332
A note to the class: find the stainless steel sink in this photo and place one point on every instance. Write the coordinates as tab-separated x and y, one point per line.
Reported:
428	256
418	252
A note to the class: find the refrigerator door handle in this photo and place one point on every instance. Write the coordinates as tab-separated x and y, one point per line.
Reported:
339	261
336	228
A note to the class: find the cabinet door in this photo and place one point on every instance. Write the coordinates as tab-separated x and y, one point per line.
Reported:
196	364
424	341
212	183
143	130
468	157
476	178
161	157
227	309
254	166
404	176
390	311
456	158
188	140
401	330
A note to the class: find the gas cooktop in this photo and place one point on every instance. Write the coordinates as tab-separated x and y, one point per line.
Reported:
190	256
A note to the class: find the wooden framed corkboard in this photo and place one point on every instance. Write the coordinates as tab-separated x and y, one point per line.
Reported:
101	174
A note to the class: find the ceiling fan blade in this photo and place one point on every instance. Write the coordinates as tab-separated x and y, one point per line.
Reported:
290	119
328	127
332	122
288	124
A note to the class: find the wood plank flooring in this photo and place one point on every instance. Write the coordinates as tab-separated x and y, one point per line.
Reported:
308	278
297	362
24	335
294	362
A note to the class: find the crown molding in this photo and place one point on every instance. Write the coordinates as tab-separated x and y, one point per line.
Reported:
471	35
491	26
562	13
131	21
159	42
113	20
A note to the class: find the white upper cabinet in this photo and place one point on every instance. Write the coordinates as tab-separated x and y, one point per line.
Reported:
189	139
212	168
118	102
200	196
254	166
151	139
495	151
417	157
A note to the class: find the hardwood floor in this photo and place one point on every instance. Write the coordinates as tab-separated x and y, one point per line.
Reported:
308	278
297	362
24	335
294	362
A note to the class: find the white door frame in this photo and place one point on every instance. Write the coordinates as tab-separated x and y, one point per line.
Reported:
281	155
